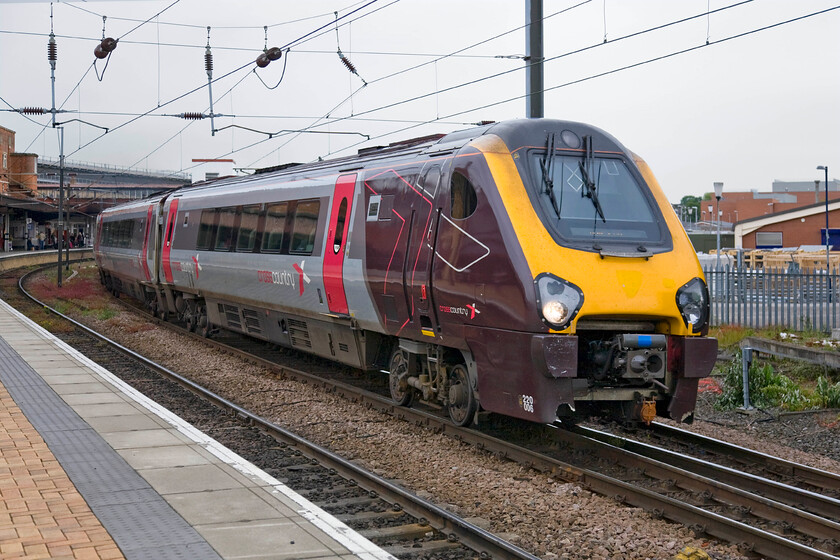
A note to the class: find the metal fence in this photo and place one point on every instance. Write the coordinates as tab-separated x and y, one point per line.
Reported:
802	301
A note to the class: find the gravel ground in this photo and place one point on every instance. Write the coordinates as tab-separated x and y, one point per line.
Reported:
550	518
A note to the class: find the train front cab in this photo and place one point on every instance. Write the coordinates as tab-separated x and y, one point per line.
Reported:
626	321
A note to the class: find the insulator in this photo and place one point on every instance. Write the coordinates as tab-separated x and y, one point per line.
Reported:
33	111
263	60
208	60
347	63
99	52
108	44
192	116
274	53
52	49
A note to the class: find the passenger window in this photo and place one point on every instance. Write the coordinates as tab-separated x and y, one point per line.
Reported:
463	197
274	228
225	231
138	233
206	230
339	226
304	227
248	228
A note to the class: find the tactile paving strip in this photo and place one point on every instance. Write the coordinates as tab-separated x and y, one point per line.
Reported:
138	519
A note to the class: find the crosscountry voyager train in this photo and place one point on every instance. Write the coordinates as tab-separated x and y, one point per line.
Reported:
531	268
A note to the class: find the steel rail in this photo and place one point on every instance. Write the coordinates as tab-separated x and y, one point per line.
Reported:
711	491
818	504
702	521
485	543
815	477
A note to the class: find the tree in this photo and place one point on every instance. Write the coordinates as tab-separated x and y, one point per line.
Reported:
690	201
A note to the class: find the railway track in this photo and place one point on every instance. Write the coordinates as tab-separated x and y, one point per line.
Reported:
740	458
804	516
802	525
392	517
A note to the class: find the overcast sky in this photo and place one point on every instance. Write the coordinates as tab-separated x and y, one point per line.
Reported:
744	110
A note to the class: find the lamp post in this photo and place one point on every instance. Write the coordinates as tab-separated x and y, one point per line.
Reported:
718	192
825	168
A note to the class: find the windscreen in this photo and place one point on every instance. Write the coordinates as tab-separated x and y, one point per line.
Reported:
598	200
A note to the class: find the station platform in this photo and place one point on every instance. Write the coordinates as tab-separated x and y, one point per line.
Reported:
90	468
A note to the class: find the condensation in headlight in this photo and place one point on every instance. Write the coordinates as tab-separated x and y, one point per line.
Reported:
559	301
693	303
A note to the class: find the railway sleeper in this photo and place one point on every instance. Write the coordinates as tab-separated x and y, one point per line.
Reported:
410	530
421	547
345	502
366	516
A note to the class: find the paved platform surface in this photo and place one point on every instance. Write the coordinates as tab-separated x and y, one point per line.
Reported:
90	468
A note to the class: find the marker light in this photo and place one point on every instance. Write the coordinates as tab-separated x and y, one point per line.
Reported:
558	300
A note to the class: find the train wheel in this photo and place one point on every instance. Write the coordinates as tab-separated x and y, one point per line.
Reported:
462	402
401	392
202	324
191	317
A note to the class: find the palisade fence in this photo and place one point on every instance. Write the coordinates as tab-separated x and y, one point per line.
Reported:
788	298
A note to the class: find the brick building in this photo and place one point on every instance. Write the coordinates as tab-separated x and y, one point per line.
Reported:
791	228
786	195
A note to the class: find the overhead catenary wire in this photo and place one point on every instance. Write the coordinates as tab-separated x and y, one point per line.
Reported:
577	81
484	41
159	105
506	72
235	85
462	85
619	69
231	72
197	26
586	78
92	66
218	47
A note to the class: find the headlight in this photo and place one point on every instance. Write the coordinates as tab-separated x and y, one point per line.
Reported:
558	300
693	303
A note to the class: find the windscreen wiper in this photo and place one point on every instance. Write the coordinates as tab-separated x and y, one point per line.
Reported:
591	188
547	166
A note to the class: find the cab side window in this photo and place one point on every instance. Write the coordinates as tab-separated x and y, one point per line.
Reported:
463	197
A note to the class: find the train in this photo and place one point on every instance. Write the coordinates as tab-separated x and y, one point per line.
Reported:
530	268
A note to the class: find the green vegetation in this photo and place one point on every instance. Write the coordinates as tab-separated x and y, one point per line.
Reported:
767	388
729	336
783	384
828	394
106	313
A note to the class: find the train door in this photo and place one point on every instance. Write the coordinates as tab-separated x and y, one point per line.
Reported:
337	242
168	234
147	251
422	248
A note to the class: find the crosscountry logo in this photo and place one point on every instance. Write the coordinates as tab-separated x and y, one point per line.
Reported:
302	277
467	311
